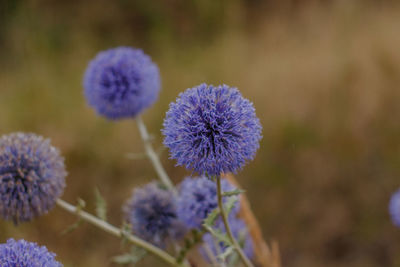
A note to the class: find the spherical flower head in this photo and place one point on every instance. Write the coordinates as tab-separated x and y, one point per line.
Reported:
32	176
239	231
212	130
394	208
152	213
121	82
26	254
198	198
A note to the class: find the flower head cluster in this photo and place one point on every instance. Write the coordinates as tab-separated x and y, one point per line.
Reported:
32	176
121	82
198	197
152	213
26	254
239	231
212	130
394	208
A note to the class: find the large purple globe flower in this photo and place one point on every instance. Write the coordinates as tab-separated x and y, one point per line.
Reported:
32	176
239	231
26	254
212	130
152	213
394	208
121	82
198	197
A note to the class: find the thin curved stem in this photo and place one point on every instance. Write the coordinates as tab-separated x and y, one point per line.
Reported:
235	244
153	156
111	229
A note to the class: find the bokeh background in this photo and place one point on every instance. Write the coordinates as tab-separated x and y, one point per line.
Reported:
325	80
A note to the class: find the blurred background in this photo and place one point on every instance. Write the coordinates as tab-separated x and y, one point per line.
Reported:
324	77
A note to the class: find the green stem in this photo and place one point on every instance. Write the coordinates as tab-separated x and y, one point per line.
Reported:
153	156
235	244
111	229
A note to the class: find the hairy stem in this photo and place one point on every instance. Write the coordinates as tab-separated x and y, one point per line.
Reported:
153	156
111	229
235	244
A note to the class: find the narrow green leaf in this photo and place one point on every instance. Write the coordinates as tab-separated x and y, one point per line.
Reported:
137	254
212	216
230	203
101	205
72	227
228	251
123	259
220	236
125	230
233	193
133	257
81	204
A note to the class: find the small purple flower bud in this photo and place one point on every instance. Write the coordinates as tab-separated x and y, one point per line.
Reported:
198	198
121	82
32	176
152	213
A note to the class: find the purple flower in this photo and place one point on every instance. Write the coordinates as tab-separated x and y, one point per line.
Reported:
26	254
198	197
152	213
239	231
394	208
212	130
121	82
32	176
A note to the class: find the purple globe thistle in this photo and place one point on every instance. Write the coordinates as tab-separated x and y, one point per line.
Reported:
212	130
121	82
394	208
26	254
239	231
152	213
198	197
32	176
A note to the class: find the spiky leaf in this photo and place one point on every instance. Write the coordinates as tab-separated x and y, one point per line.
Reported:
233	193
101	205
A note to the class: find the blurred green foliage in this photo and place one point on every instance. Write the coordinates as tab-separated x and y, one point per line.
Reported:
324	77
